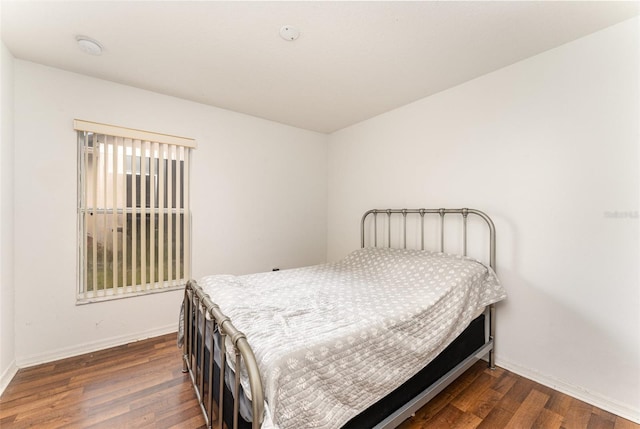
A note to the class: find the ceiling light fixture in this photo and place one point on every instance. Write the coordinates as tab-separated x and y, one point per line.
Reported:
89	46
289	33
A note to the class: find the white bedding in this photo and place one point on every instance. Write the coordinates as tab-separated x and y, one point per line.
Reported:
332	339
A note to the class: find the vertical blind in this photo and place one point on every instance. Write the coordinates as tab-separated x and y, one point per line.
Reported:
133	211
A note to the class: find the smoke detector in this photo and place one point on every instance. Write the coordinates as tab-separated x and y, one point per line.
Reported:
89	46
289	33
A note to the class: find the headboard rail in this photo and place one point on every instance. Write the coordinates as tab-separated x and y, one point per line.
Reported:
442	212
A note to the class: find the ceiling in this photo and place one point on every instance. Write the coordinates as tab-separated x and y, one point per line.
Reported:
352	61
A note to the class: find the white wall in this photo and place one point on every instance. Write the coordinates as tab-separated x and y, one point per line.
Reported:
258	201
7	323
549	148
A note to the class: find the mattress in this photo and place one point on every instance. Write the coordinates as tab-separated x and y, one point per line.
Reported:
331	340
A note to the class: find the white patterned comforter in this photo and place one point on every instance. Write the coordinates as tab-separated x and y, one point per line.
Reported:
333	339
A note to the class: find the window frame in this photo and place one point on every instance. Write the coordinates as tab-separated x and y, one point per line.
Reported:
151	147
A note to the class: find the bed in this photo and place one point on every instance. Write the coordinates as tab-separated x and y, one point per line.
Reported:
361	342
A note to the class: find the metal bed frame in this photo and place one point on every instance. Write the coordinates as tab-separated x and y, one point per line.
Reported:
200	312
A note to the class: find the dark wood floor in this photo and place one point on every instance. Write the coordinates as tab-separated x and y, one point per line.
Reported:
141	385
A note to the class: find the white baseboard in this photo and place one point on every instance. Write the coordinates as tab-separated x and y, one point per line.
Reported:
66	352
626	411
7	376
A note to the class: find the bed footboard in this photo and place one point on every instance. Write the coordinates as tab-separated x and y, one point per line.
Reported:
207	365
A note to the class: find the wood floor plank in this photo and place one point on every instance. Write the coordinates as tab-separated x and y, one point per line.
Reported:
624	424
598	421
195	422
445	418
497	418
465	399
141	385
577	416
528	412
467	378
467	421
485	402
519	392
547	419
604	414
559	403
505	382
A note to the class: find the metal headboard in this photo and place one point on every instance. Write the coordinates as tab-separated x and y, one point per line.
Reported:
440	212
422	212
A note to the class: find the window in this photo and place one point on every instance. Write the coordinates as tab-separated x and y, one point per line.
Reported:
133	211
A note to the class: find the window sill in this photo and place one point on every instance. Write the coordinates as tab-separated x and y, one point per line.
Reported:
103	296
